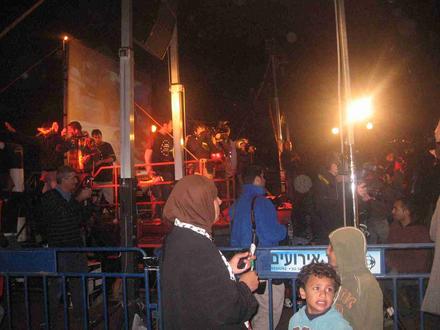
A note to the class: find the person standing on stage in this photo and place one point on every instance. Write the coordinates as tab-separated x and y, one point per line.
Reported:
51	147
160	150
106	157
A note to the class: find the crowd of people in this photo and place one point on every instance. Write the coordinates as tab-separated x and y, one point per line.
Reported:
395	201
398	197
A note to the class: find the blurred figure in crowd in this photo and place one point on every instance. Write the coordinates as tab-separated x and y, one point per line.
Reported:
201	145
328	200
226	145
377	192
245	154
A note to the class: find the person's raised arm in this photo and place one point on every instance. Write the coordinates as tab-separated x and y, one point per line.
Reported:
147	157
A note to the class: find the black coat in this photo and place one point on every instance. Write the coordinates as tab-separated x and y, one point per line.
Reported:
196	290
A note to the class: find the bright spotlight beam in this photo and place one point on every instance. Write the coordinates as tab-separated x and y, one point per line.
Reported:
335	130
360	109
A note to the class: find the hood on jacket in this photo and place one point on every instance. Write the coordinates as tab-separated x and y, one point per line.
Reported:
253	190
350	247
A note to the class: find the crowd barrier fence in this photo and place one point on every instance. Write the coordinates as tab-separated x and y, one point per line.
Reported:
271	263
26	273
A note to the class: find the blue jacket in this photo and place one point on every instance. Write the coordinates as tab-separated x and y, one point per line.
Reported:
269	231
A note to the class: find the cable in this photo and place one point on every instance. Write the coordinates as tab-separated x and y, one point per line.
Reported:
22	17
29	69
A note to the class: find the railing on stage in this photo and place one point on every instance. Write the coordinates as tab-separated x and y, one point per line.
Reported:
227	194
272	263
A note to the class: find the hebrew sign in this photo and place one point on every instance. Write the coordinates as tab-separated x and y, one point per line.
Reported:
282	262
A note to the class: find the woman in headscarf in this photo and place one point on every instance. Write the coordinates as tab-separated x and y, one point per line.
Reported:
199	289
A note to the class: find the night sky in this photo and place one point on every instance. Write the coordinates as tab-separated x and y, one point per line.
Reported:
394	49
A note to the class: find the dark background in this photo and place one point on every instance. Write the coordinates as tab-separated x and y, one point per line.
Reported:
394	49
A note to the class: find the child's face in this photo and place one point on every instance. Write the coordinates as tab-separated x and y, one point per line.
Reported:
319	293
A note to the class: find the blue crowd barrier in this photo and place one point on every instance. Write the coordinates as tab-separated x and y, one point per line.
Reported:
272	263
15	267
284	262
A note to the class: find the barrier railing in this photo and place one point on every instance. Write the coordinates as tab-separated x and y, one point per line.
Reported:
29	271
23	266
284	262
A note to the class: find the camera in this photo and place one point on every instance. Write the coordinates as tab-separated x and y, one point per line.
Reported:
222	131
87	182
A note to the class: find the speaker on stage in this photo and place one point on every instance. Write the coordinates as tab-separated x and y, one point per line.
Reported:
160	35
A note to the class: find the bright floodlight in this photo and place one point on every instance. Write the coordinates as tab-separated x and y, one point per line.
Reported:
335	130
153	128
369	125
360	109
66	38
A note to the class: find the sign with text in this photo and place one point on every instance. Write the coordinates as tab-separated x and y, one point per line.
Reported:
279	263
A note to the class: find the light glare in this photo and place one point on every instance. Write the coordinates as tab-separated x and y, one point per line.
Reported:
370	125
335	130
359	110
153	128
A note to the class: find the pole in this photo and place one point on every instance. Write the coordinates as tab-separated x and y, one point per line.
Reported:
177	90
128	182
65	79
279	132
343	52
341	125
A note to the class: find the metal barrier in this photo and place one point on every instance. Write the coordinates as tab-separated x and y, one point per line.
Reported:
284	262
272	263
33	269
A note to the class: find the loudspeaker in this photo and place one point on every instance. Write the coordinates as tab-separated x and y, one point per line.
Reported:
160	36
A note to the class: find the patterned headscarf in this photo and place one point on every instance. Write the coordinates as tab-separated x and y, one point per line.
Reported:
192	201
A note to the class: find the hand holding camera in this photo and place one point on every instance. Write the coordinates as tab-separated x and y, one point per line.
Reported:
84	194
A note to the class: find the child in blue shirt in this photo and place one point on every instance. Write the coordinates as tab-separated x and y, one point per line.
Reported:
318	283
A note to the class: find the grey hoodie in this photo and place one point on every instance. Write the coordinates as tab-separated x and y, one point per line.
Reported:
359	298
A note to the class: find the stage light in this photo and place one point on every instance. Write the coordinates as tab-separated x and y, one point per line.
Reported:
153	128
360	109
369	125
65	38
335	130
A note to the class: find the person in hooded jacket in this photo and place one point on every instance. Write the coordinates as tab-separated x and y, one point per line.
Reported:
198	287
359	299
